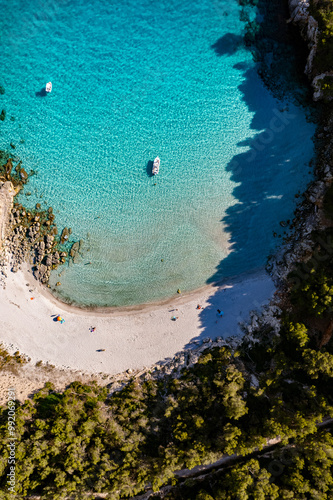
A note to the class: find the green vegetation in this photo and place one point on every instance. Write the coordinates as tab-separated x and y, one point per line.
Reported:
326	85
301	470
322	11
7	360
84	441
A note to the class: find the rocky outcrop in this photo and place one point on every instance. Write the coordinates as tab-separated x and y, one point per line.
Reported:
320	83
299	10
7	193
64	235
29	236
300	15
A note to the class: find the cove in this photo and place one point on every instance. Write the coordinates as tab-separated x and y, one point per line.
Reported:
133	80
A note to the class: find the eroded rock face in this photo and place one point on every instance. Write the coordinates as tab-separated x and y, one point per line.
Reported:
318	83
64	235
24	235
7	193
299	11
23	175
74	249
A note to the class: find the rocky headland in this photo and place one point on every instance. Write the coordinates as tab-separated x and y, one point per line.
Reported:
29	235
303	14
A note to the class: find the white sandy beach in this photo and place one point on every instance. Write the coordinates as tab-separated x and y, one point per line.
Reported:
131	339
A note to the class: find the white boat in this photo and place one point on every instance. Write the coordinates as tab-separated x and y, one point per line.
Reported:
48	87
156	166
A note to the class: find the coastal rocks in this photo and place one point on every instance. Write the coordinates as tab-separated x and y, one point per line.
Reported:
299	10
74	252
254	381
74	249
23	175
48	261
27	235
63	256
49	240
8	166
42	273
312	36
64	235
316	191
56	258
323	83
7	193
320	85
188	358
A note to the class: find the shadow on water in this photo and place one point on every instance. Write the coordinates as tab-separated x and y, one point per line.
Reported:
228	44
149	168
41	93
257	196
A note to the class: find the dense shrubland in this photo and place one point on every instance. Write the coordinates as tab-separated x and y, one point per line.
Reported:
83	441
322	11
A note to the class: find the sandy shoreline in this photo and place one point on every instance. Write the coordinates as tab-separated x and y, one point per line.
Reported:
132	339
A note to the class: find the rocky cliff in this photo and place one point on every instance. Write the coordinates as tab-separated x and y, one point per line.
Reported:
300	15
7	193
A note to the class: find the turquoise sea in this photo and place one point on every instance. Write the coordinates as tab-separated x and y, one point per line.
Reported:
133	80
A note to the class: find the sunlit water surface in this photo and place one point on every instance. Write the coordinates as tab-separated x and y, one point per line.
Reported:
133	80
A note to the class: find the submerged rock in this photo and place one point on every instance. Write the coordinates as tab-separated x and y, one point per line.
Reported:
64	235
23	175
3	115
76	258
74	249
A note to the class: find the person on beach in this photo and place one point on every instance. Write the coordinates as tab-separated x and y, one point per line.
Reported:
174	318
92	329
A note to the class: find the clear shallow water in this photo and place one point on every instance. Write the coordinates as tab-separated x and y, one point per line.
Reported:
133	80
